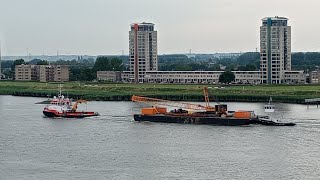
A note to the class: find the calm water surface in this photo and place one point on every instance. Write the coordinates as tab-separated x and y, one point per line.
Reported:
112	146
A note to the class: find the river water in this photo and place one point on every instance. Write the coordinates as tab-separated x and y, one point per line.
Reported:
113	146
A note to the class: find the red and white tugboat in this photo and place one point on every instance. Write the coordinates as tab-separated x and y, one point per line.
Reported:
62	107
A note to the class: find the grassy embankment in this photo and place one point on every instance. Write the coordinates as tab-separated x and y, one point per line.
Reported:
119	92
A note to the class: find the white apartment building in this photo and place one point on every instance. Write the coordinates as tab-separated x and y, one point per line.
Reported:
210	77
195	77
294	77
200	77
275	49
226	55
143	50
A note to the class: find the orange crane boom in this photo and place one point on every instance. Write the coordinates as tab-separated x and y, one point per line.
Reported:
206	96
75	105
206	99
161	102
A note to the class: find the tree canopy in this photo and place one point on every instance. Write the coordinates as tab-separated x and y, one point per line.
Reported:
42	62
305	61
6	64
104	63
17	62
248	67
226	77
82	74
248	58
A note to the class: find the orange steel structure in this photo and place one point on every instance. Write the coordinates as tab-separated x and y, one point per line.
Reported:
161	102
206	99
75	105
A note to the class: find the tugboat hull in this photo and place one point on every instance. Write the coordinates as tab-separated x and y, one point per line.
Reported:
268	122
49	113
187	119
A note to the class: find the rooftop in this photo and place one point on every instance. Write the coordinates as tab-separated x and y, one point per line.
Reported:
275	18
143	24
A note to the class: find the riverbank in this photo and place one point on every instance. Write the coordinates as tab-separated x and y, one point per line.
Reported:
123	92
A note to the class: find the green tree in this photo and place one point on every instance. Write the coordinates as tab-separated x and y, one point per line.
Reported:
104	63
248	58
231	67
226	61
17	62
42	62
215	67
87	75
248	67
182	67
82	74
13	66
116	64
226	77
6	64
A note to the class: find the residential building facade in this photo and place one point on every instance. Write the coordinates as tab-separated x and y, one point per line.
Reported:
61	73
46	73
314	77
143	55
23	72
275	49
226	55
294	77
113	76
200	77
210	77
42	73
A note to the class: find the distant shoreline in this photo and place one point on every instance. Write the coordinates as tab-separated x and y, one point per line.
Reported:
190	98
176	92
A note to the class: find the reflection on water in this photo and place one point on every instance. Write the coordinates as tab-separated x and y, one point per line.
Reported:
113	146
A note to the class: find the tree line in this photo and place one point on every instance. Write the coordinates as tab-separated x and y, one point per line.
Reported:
80	70
250	61
85	69
246	62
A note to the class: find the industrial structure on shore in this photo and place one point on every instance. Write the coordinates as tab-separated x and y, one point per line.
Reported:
275	59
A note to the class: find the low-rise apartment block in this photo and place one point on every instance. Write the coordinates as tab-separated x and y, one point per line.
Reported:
210	77
314	77
113	76
43	73
294	77
23	72
200	77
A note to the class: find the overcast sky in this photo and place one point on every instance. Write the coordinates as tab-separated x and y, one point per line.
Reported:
97	27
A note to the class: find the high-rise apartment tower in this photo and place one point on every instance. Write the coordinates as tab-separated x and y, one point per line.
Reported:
143	55
275	49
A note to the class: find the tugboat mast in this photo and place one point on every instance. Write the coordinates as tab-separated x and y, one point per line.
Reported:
60	90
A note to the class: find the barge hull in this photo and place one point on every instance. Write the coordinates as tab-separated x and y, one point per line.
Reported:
229	121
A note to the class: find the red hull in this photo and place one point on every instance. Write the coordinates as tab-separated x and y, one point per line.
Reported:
51	113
